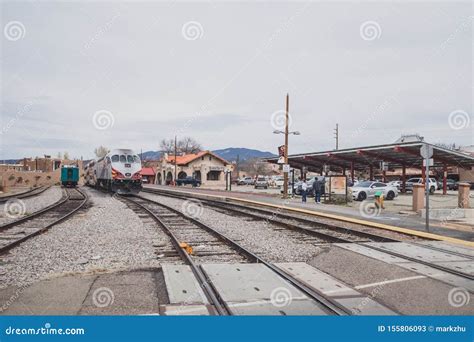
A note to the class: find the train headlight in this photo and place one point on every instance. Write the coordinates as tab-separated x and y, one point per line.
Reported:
116	174
137	176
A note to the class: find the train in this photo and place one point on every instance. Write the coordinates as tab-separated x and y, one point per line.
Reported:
69	175
118	171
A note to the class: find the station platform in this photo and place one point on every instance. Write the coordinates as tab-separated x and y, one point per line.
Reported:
410	224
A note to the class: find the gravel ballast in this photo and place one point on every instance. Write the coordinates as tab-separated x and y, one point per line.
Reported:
265	239
28	205
106	236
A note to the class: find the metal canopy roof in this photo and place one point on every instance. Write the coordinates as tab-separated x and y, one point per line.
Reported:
396	155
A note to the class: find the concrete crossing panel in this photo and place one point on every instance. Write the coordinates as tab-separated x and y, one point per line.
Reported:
182	286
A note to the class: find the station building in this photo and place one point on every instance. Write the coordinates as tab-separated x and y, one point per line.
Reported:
206	166
398	160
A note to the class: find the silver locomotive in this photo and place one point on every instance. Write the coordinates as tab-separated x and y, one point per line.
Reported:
118	171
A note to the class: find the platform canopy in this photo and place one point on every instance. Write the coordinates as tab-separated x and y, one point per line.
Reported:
395	155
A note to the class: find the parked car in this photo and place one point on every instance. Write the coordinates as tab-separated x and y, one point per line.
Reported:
451	184
188	181
367	189
261	182
419	180
279	181
349	182
397	184
246	181
310	182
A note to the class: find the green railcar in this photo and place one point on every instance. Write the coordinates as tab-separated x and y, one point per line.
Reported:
69	175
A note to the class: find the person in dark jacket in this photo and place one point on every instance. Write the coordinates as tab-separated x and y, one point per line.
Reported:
317	185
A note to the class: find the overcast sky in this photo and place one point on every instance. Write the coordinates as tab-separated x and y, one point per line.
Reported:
78	75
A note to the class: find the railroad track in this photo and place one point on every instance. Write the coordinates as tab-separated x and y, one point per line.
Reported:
179	226
26	194
331	233
16	232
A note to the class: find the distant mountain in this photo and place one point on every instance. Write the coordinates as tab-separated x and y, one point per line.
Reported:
151	155
229	154
10	161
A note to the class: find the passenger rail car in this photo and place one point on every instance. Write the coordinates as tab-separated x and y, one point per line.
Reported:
89	174
119	171
69	175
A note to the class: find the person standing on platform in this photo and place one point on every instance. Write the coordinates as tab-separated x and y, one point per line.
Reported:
317	190
304	189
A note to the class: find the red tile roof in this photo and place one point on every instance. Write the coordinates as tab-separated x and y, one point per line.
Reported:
147	171
187	158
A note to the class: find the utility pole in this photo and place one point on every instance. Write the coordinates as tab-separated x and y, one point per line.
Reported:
285	172
237	165
175	161
336	136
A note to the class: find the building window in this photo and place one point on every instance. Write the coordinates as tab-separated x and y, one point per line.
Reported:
210	158
202	158
213	175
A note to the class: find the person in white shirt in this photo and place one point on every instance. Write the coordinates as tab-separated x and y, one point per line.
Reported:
304	188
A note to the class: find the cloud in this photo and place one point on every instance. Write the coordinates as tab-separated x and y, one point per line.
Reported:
132	60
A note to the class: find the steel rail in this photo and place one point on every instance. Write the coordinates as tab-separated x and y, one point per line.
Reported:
52	207
210	293
331	305
25	194
310	231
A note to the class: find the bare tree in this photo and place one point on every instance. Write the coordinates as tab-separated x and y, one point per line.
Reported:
185	145
167	146
189	145
101	151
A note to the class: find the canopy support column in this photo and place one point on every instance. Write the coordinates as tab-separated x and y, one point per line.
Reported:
352	172
404	178
445	179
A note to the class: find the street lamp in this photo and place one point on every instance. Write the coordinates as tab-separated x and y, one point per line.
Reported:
286	132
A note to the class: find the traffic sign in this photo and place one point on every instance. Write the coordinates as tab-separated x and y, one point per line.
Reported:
286	168
426	151
430	162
